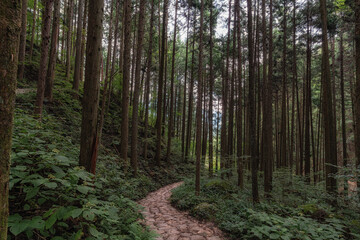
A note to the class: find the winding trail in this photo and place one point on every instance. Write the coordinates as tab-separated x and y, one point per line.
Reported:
172	224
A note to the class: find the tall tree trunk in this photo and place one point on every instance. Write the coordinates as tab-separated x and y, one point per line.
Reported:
45	35
22	40
307	98
357	85
224	138
106	84
252	127
160	87
135	115
343	106
240	180
62	51
171	117
191	96
33	27
89	138
113	61
125	86
68	37
283	128
199	103
267	113
185	86
329	129
217	136
231	102
53	53
10	28
211	92
83	40
292	140
78	59
148	75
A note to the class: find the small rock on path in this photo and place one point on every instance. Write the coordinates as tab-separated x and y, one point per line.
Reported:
172	224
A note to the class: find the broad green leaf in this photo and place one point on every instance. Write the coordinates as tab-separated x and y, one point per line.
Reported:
14	218
31	193
51	185
83	175
63	160
62	224
78	235
57	238
95	232
50	221
88	215
13	182
59	173
19	227
37	222
38	182
83	189
76	212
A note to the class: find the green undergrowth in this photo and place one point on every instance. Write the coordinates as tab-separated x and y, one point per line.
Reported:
295	211
51	197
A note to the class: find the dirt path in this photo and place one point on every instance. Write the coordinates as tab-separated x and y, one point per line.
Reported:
172	224
24	90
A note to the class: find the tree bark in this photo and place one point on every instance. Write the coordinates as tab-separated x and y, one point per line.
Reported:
45	35
211	92
106	84
307	99
267	151
53	53
68	38
22	40
33	30
357	85
135	116
252	113
183	135
126	82
171	116
78	59
240	180
89	138
10	27
199	103
148	76
160	87
191	96
343	106
327	107
283	128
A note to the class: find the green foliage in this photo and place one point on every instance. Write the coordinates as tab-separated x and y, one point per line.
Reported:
51	196
282	217
204	211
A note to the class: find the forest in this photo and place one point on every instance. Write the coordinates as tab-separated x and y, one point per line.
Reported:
179	119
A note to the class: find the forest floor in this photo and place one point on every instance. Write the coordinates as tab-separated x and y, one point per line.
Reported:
24	90
170	223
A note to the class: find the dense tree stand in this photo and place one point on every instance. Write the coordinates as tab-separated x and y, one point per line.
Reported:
254	105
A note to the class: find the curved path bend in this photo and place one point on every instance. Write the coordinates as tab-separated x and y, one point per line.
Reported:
172	224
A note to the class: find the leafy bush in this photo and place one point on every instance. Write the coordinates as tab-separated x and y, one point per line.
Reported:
204	211
51	197
235	214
